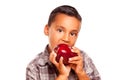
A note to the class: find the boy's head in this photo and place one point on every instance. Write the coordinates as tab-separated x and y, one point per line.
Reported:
64	9
63	26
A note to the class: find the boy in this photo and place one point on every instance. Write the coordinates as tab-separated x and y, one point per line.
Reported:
63	27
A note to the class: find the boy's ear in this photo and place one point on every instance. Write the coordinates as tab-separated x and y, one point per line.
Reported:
46	30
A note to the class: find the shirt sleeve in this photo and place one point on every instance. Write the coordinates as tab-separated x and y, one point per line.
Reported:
90	68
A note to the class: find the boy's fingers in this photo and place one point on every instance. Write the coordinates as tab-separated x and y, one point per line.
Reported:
76	50
76	58
61	61
53	57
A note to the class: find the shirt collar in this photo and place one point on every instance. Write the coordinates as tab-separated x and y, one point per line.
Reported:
44	57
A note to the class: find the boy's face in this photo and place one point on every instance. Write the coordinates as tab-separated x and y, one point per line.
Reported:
64	29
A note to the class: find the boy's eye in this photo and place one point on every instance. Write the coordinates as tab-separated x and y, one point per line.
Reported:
59	30
73	34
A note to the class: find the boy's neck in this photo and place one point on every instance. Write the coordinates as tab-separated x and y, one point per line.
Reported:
48	48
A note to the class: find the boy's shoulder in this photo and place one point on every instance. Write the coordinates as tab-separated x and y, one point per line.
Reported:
40	59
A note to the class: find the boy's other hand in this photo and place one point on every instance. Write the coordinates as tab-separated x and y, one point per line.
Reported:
77	61
76	64
63	70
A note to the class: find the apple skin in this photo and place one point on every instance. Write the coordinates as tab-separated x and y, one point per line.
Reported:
63	50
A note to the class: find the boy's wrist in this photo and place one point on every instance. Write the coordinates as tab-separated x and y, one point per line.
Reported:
62	77
83	76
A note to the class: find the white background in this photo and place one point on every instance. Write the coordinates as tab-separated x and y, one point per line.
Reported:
21	34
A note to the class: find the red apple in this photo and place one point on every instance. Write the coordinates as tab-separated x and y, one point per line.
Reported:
64	51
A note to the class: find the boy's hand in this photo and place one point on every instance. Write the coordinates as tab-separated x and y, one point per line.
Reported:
63	70
77	61
76	64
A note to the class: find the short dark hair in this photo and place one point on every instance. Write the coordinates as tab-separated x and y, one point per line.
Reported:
65	9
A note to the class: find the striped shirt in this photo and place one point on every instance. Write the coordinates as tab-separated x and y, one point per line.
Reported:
42	69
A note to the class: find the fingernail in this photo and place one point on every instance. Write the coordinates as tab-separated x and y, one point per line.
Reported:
69	59
72	50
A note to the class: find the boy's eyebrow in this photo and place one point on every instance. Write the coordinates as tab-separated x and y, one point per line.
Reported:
74	30
59	27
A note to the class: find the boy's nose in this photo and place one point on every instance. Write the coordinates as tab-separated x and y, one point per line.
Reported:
66	38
